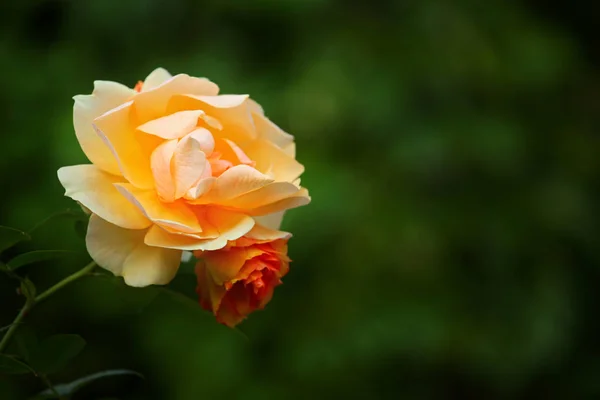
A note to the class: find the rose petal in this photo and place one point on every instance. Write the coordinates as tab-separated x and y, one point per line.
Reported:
123	252
173	126
188	164
94	189
231	110
273	161
106	96
297	200
131	151
234	182
201	188
262	233
176	215
267	130
156	78
152	104
271	221
160	162
160	237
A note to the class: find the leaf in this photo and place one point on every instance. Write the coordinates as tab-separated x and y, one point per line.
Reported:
54	353
34	257
28	289
11	365
9	237
69	389
81	228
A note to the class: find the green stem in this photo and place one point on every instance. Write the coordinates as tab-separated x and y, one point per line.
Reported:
30	303
15	324
47	382
71	278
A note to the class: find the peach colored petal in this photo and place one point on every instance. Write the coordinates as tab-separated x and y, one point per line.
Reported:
234	182
262	233
94	189
201	188
230	224
231	110
160	237
188	164
152	104
156	78
131	151
271	221
123	252
268	194
273	161
205	139
160	163
176	215
231	152
299	199
267	130
173	126
106	96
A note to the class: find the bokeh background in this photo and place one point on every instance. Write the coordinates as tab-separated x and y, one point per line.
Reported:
451	250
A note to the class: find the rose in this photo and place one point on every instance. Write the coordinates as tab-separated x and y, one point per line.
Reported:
175	167
240	278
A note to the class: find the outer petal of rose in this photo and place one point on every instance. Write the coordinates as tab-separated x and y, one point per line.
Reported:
226	265
160	162
176	215
159	237
156	78
269	194
131	150
210	293
234	182
106	96
231	110
262	233
189	162
271	221
273	161
123	252
299	199
231	225
269	131
152	104
94	189
173	126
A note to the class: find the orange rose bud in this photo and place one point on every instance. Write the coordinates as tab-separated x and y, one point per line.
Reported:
239	279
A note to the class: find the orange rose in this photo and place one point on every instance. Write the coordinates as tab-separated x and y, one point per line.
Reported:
240	278
175	166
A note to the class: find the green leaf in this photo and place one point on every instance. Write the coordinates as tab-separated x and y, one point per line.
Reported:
28	289
11	365
69	389
54	353
25	341
34	257
74	214
9	237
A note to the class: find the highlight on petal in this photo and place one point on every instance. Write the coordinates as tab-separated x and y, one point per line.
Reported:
177	215
262	233
106	96
297	200
173	126
131	151
189	162
230	224
124	253
152	104
273	161
156	78
203	187
269	194
95	190
160	162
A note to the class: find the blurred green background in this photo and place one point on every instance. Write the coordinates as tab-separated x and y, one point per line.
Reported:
451	250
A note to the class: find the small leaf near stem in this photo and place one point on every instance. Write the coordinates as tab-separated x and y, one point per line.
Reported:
31	302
